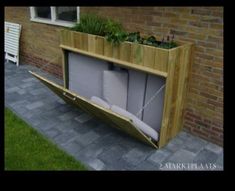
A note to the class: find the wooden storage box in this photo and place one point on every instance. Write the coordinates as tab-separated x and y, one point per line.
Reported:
172	64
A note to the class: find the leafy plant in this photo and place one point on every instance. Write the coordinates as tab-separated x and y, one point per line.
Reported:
151	41
169	43
91	24
114	32
135	37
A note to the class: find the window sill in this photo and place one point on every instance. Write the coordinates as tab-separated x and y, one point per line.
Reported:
58	23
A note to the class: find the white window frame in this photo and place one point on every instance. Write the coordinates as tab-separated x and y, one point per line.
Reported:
53	20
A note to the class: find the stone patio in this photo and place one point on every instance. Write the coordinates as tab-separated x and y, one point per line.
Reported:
92	142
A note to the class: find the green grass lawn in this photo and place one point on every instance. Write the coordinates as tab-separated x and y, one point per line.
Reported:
26	149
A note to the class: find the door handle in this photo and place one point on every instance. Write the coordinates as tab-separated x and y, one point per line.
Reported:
71	98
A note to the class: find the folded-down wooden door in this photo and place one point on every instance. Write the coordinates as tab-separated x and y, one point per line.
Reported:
106	115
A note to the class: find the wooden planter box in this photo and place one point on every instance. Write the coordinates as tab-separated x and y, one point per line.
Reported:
172	64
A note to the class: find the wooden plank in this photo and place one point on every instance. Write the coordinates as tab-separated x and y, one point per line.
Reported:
62	37
125	51
168	97
66	38
182	88
117	61
149	56
99	45
84	41
161	60
116	51
91	43
175	97
108	49
106	115
77	37
137	51
66	42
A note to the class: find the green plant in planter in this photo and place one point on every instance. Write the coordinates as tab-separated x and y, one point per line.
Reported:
91	24
114	32
168	44
151	41
135	37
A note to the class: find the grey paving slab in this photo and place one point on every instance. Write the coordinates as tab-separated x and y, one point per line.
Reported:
135	156
87	138
146	166
83	118
34	105
214	148
12	89
26	85
52	132
206	156
94	143
159	156
67	116
96	164
195	144
72	147
181	156
220	160
113	154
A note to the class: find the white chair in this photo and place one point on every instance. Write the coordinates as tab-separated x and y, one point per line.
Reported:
11	43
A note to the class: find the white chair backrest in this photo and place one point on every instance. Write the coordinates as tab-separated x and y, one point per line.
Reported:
11	43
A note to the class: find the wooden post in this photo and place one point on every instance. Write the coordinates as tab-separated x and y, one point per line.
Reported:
173	55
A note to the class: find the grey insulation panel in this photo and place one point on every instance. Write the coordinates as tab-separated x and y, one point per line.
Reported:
152	114
86	75
136	92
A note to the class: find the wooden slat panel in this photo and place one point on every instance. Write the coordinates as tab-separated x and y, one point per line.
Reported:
174	98
84	41
77	40
10	51
66	38
99	45
11	41
13	38
116	51
173	55
11	46
117	61
108	49
12	34
106	115
184	63
91	43
14	25
125	51
14	29
62	37
161	60
149	56
137	51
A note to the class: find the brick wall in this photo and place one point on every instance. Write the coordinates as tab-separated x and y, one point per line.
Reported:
200	25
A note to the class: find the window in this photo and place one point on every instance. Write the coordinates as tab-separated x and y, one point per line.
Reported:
63	16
